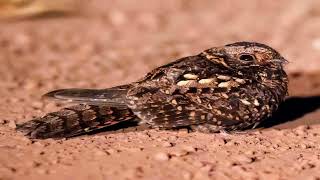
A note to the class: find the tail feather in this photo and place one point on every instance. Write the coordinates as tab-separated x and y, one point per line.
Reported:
114	97
75	120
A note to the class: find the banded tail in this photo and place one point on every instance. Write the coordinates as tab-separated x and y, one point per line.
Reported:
75	120
98	109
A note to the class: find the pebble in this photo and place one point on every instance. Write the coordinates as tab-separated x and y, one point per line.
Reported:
43	171
161	156
189	149
37	105
302	130
231	142
306	146
112	151
244	159
39	144
25	140
220	141
179	153
135	149
316	44
198	164
183	131
98	152
167	144
117	17
187	175
173	138
30	85
2	121
249	152
201	176
12	124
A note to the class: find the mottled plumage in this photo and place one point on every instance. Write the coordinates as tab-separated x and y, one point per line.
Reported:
227	88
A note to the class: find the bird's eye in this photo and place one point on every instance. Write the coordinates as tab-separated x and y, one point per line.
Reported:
246	57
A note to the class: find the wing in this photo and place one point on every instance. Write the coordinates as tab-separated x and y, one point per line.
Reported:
161	110
113	97
191	91
156	99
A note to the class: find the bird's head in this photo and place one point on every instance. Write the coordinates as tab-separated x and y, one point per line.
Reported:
249	58
246	54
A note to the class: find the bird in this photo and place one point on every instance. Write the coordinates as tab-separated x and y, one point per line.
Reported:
222	89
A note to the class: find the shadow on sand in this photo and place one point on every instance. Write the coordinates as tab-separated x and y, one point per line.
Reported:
292	109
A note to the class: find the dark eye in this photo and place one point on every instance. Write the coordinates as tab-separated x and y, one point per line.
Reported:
246	57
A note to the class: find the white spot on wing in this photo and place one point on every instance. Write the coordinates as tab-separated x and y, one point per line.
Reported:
206	81
223	77
224	84
245	102
256	102
190	76
185	83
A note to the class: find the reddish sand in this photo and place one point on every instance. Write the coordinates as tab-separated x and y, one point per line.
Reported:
110	43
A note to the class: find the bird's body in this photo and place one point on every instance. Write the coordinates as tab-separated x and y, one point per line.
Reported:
224	88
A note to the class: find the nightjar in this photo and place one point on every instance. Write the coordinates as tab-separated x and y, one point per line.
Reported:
226	88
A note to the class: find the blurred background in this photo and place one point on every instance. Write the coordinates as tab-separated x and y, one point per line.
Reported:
47	44
50	44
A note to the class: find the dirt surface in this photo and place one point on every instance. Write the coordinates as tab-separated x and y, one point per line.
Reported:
114	42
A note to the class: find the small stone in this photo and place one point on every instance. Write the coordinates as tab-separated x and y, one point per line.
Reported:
2	121
316	44
183	131
25	140
167	144
37	105
173	138
112	151
12	124
161	156
200	175
117	17
306	146
250	152
179	153
301	130
189	149
244	159
43	171
207	168
30	85
187	175
39	144
135	149
198	164
98	152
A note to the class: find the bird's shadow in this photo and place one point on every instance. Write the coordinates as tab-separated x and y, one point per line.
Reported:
292	109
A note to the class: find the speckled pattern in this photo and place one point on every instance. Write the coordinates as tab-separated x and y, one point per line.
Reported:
111	43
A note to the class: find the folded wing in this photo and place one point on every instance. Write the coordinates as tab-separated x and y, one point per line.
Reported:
113	97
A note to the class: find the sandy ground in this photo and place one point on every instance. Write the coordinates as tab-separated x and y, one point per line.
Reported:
114	42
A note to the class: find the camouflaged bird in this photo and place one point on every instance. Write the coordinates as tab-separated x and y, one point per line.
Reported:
226	88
